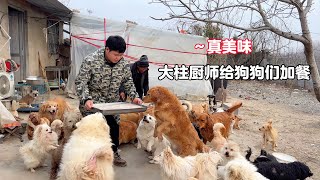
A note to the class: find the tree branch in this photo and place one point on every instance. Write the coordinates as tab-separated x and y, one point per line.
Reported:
308	7
278	31
261	28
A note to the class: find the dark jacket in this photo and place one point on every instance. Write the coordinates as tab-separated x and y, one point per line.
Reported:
141	81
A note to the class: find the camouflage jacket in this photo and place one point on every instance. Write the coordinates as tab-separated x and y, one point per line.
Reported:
100	82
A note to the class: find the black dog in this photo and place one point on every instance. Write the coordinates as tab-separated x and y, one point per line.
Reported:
270	168
263	157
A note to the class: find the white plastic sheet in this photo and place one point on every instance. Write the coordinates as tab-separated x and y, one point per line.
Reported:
5	116
160	47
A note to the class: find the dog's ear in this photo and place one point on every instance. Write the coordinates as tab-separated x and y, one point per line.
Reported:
207	117
270	121
43	107
168	153
38	131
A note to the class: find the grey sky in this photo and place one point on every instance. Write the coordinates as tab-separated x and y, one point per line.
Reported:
140	12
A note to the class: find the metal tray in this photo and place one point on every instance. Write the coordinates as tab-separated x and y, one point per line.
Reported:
119	108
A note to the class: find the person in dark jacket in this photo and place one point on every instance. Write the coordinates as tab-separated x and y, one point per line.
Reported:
140	77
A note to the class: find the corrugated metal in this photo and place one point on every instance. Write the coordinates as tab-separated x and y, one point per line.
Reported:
53	8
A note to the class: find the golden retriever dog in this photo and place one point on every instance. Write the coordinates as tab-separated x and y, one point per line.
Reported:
127	131
218	140
54	109
270	134
206	166
205	121
88	153
69	125
173	121
35	151
146	140
33	121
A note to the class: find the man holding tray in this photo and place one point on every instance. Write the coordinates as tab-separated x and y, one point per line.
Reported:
98	81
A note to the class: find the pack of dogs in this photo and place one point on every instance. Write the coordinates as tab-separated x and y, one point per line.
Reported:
188	141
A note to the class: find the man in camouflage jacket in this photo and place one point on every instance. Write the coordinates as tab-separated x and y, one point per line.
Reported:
98	81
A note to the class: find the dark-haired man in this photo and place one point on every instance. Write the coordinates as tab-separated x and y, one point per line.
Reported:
140	76
98	81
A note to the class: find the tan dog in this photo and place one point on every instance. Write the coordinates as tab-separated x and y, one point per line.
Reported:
127	131
198	108
28	99
270	134
173	121
33	121
218	140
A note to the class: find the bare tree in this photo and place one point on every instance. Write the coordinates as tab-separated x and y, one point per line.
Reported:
254	16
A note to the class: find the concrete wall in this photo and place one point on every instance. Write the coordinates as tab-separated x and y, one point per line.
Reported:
36	41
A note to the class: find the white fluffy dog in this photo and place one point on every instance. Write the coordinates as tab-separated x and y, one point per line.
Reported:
206	166
240	168
35	151
175	167
88	153
237	166
146	140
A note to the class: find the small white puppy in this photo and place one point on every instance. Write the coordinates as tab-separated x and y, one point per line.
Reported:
88	153
57	126
35	151
146	140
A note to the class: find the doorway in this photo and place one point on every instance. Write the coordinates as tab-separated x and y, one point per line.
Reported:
17	43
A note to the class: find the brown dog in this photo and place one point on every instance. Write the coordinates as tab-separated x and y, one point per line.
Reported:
173	121
206	121
33	121
127	131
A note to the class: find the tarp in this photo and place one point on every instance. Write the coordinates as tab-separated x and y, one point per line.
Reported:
161	47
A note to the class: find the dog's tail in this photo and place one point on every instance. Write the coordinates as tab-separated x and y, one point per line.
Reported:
188	104
219	127
249	152
234	107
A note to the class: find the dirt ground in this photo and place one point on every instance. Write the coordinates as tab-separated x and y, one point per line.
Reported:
296	115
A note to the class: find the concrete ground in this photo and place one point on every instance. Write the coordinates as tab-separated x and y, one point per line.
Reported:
12	167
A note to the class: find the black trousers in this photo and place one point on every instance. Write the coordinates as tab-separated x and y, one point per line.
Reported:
114	131
111	121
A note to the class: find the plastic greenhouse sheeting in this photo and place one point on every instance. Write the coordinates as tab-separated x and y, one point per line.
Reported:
161	47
